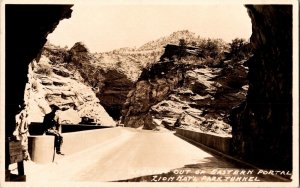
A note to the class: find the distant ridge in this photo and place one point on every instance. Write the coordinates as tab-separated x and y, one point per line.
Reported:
173	38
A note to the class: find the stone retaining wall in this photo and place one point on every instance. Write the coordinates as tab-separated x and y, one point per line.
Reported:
219	143
41	147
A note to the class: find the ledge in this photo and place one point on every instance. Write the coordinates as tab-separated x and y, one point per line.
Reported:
36	128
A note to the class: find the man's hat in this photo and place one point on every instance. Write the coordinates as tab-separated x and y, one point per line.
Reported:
54	107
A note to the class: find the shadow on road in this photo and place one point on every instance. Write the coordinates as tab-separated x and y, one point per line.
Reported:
211	169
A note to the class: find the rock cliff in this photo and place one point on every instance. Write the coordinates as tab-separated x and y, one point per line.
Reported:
187	92
113	93
112	74
262	125
54	84
154	85
110	82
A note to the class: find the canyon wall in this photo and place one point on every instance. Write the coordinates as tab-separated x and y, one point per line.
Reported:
191	92
262	125
154	85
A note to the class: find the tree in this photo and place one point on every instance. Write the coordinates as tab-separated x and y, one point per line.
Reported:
239	49
182	42
182	46
211	48
194	43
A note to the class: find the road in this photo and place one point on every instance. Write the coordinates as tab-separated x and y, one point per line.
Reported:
143	153
133	154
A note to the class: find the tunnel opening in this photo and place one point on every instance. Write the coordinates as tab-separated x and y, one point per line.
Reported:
25	35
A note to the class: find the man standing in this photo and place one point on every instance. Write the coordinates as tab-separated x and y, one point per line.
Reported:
21	132
52	127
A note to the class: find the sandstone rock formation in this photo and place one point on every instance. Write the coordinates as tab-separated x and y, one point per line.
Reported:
112	74
155	85
205	100
68	92
110	83
186	93
262	125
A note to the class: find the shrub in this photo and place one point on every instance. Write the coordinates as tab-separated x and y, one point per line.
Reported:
240	49
34	85
213	62
44	69
61	73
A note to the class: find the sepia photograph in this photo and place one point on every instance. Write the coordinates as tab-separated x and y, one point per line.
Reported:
141	93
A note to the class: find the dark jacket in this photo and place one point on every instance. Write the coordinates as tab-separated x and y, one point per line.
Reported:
49	121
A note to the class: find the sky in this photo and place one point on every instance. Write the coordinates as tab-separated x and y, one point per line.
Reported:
104	27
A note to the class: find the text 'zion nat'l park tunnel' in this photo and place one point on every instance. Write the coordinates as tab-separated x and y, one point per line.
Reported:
261	125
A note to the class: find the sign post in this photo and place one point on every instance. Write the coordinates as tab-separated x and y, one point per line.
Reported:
16	156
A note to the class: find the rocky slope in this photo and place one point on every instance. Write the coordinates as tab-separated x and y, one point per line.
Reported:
109	82
189	92
54	84
173	38
189	85
112	74
154	85
132	60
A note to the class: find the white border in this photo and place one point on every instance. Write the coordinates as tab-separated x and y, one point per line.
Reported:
296	91
2	91
148	2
